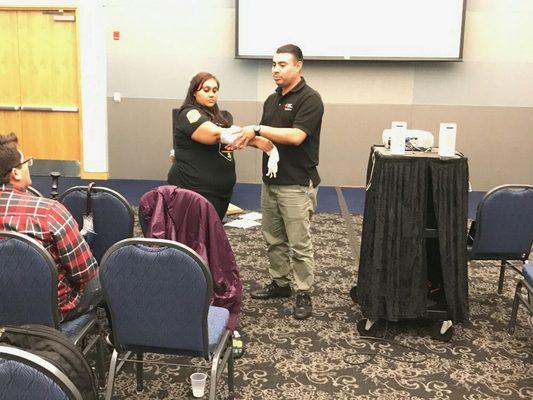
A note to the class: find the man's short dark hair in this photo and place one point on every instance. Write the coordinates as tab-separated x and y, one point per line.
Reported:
291	49
9	155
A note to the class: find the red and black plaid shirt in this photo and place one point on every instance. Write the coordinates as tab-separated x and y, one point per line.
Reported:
49	222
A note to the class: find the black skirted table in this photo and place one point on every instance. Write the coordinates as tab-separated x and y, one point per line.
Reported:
413	261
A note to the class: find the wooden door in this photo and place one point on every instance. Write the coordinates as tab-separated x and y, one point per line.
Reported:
48	84
9	75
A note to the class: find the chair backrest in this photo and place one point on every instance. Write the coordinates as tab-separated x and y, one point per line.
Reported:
504	223
112	215
142	221
26	376
158	294
34	191
28	282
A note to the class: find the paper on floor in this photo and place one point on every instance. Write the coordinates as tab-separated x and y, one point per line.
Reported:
252	216
242	223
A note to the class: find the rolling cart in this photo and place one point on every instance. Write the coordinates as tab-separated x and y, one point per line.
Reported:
413	261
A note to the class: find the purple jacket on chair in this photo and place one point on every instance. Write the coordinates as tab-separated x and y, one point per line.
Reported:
184	216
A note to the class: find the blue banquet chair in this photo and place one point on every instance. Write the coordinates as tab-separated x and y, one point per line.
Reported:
112	215
527	283
27	376
28	294
503	229
158	294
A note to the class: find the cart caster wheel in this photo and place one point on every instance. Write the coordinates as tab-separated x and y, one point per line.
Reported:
353	294
442	331
367	327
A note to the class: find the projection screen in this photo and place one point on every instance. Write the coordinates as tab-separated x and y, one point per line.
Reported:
352	29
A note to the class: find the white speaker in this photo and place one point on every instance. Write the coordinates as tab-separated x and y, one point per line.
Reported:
447	133
398	124
397	140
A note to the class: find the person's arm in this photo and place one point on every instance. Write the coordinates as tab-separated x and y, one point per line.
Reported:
74	253
308	115
289	136
207	133
261	143
200	129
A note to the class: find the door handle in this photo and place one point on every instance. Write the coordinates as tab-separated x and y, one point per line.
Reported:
50	108
5	107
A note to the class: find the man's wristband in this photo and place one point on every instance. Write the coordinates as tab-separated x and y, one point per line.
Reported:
257	130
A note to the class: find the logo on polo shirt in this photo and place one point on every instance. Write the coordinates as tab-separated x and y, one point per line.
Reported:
228	155
288	107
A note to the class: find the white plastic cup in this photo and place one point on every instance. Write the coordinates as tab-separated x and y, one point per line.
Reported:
397	141
198	384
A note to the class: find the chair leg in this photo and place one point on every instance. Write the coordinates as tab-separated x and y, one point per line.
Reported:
139	369
213	380
502	277
100	367
231	374
111	377
514	312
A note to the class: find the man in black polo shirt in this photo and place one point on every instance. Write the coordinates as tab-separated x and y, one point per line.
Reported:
292	118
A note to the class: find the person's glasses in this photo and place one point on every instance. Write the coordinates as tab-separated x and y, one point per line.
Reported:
28	161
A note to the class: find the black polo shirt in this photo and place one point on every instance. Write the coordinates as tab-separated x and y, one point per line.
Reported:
300	108
205	168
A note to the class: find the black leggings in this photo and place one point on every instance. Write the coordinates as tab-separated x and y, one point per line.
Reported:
220	203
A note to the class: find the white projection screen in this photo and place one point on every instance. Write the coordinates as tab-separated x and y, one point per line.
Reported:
352	29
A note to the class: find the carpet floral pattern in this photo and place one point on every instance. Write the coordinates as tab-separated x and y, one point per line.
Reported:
325	358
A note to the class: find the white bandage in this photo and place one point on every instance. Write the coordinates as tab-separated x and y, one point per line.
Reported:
272	164
228	135
172	153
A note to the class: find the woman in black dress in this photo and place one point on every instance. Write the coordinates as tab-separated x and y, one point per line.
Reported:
201	132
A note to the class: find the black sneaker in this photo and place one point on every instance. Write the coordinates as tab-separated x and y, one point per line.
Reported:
272	291
303	307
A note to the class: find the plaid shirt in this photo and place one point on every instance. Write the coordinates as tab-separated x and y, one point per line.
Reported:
49	222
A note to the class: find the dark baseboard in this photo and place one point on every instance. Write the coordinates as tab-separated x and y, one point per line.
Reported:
245	195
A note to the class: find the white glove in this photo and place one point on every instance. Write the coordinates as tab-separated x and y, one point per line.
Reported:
272	164
228	135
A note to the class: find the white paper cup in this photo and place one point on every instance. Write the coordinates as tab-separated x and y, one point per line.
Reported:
198	384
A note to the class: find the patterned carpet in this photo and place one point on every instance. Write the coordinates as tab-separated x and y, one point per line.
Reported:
324	358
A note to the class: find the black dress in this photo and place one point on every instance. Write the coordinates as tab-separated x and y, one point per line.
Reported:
207	169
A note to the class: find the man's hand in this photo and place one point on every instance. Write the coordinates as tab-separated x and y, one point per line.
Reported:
261	143
247	134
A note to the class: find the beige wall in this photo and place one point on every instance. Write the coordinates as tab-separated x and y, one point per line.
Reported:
489	95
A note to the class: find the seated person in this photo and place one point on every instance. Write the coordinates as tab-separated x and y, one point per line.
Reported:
48	222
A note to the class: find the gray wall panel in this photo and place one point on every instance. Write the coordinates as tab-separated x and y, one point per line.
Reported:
497	140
